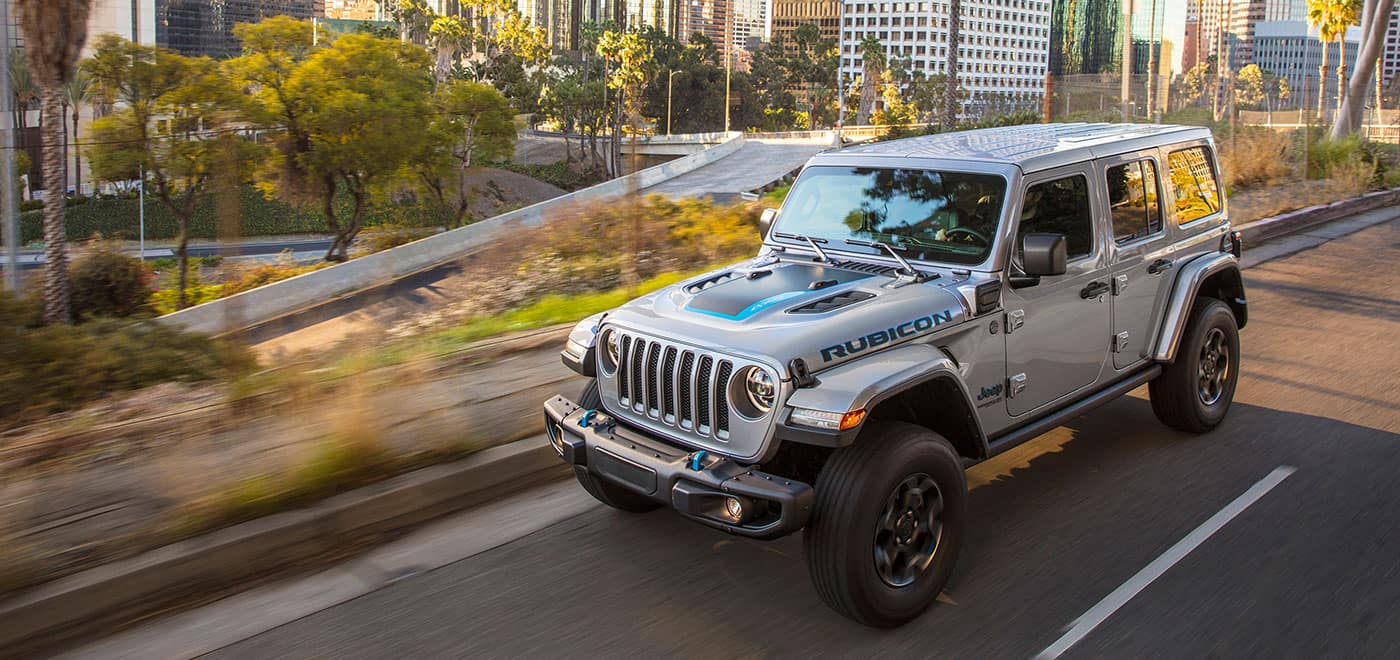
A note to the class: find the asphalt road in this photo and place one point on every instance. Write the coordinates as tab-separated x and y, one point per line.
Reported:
1310	569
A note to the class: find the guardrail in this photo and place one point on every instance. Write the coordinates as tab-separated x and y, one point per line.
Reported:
278	299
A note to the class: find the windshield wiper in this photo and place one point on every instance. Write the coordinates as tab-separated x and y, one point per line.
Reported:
894	252
821	254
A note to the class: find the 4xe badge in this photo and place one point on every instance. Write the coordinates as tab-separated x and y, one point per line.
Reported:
989	394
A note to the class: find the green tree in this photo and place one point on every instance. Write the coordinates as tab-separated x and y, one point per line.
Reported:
54	32
473	123
170	131
25	92
1194	81
342	117
449	37
626	57
1249	86
1331	18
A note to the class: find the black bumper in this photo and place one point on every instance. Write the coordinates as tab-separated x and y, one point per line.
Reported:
694	483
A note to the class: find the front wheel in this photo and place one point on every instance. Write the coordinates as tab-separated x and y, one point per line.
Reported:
887	525
1194	392
614	496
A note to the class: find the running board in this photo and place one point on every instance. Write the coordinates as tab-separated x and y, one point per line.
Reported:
1017	436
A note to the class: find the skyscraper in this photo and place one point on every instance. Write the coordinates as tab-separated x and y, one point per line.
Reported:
788	15
1003	44
205	27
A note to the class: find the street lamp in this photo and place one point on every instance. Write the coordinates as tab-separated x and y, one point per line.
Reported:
670	80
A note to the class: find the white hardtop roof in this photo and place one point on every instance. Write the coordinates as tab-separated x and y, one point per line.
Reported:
1032	147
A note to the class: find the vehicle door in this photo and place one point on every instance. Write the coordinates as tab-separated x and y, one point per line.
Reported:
1058	328
1139	255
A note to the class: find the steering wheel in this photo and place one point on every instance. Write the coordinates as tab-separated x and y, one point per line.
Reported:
967	231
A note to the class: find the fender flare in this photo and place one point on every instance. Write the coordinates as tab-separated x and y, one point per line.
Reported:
1183	296
864	384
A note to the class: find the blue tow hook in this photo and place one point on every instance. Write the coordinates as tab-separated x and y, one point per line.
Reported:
695	460
587	418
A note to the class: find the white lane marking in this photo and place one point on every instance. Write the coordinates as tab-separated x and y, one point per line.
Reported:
1125	592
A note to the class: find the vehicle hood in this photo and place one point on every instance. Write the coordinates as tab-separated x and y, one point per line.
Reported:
776	312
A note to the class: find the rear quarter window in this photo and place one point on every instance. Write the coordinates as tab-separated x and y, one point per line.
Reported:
1195	191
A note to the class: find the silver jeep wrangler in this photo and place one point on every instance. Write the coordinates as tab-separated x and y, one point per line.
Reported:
917	306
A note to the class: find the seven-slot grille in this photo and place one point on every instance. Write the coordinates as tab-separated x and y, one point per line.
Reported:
676	385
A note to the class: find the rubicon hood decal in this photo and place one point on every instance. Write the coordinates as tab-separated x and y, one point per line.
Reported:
743	297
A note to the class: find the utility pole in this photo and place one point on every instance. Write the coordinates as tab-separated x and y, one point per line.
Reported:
7	158
670	81
1127	65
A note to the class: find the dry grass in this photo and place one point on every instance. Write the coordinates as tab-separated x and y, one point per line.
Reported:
1257	157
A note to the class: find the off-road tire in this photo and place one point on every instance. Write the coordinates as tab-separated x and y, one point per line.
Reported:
1178	397
614	496
852	492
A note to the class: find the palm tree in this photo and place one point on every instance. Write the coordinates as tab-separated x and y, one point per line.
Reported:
22	86
1331	18
54	32
951	101
873	62
77	93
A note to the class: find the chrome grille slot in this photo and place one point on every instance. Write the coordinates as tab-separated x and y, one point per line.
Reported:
622	371
687	389
726	368
705	392
639	348
668	385
653	379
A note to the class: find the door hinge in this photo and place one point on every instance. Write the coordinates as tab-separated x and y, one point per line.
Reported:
1120	284
1120	342
1014	320
1015	385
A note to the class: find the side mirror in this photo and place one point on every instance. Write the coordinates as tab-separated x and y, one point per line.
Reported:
1043	254
765	222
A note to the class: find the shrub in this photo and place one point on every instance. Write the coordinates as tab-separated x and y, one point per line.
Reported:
52	368
559	174
251	275
385	236
166	299
1255	157
106	282
1325	155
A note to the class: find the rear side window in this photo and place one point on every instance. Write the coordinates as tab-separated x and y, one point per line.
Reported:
1060	207
1194	190
1132	197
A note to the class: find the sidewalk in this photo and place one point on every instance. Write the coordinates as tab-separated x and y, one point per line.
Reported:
299	244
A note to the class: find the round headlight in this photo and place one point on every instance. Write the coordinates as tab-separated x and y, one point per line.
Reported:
761	389
612	350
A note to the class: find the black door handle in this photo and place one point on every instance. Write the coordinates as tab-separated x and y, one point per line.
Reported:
1159	266
1094	290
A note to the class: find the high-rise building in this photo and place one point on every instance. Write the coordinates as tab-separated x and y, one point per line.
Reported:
1390	50
1291	50
1191	39
354	10
788	15
709	18
205	27
131	19
1086	35
1003	44
750	27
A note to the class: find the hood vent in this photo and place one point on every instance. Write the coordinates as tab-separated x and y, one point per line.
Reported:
874	269
832	302
709	282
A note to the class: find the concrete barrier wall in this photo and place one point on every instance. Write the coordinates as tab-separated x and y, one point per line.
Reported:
280	298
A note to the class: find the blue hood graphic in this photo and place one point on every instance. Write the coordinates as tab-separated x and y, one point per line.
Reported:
744	296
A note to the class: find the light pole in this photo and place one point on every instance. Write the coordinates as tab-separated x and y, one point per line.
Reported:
728	45
840	74
670	81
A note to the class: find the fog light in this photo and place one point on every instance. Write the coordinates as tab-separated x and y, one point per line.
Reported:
734	509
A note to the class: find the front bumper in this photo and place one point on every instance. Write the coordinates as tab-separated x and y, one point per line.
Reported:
694	483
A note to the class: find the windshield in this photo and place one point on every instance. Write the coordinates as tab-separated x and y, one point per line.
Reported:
936	216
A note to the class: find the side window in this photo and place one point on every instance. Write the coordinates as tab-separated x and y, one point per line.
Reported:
1194	189
1132	199
1060	207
